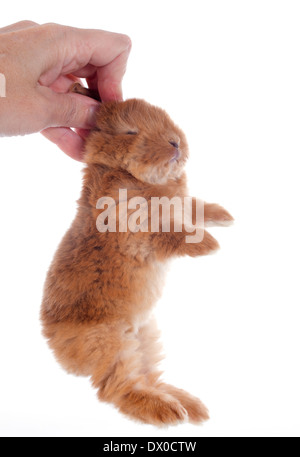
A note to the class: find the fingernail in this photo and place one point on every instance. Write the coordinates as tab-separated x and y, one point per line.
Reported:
92	115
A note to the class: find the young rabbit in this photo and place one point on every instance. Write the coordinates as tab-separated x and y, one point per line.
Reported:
101	286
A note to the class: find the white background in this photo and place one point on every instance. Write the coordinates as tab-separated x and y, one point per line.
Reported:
228	73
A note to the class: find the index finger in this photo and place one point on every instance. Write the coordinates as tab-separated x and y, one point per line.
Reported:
96	51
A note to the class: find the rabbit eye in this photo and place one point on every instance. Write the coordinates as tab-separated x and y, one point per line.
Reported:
131	132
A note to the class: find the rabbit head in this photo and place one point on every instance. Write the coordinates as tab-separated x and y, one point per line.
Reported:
139	138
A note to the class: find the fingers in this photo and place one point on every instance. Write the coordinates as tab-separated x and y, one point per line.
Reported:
63	83
100	46
82	52
68	141
67	110
83	133
111	73
110	78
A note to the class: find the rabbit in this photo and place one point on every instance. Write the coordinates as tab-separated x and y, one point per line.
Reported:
101	287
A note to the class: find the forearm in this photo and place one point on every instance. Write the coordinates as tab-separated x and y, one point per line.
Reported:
211	213
173	244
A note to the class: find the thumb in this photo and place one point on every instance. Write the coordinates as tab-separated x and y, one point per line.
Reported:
70	110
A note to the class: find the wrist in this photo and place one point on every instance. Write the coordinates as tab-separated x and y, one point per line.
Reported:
2	85
3	89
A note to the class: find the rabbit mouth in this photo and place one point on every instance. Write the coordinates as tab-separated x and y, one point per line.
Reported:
176	157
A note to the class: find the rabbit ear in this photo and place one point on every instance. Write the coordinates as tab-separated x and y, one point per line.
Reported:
77	88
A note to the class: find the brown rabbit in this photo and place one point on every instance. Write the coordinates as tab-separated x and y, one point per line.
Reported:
101	286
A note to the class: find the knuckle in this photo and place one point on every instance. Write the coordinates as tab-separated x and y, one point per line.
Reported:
69	111
50	29
50	25
26	23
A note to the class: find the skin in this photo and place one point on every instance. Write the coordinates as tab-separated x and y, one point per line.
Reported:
40	64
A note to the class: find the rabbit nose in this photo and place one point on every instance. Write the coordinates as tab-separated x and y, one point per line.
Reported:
173	143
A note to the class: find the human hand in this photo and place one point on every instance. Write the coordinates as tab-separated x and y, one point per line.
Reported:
40	63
